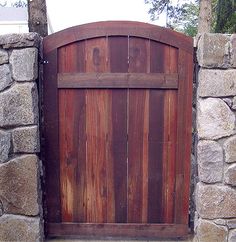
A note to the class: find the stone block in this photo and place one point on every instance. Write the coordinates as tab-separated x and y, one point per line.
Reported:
231	223
19	105
19	228
3	57
5	77
215	119
234	103
210	161
233	50
210	232
232	236
24	64
5	144
230	149
26	139
217	83
213	50
230	175
19	185
20	40
215	201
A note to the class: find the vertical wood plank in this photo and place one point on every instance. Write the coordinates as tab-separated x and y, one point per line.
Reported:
169	155
50	137
139	55
118	58
138	114
97	129
156	136
72	155
183	137
157	57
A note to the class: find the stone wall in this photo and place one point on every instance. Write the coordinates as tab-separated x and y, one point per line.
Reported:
215	193
19	138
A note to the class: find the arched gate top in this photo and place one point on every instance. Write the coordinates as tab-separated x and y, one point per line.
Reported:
118	28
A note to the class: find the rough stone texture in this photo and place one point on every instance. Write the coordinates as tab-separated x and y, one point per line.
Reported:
230	149
228	101
19	228
5	77
215	119
210	232
19	105
19	40
213	50
5	144
233	50
18	185
231	223
230	175
220	221
210	161
26	139
234	103
217	83
3	57
232	236
215	201
24	64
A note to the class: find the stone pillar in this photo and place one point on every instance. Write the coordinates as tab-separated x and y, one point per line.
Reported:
215	193
20	196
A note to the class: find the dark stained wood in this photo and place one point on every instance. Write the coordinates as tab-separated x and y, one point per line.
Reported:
118	80
123	94
51	142
72	139
173	231
155	153
71	58
118	28
184	131
139	55
138	127
118	54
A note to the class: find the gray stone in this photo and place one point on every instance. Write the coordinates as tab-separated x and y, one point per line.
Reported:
19	228
233	50
5	144
232	236
230	175
231	223
19	185
230	149
234	103
210	161
217	83
19	105
215	119
5	77
220	221
228	101
24	64
26	139
20	40
213	50
210	232
3	57
215	201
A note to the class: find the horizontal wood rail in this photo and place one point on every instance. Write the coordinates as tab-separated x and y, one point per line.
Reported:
118	80
118	230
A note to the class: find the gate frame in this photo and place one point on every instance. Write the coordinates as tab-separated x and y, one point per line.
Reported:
185	63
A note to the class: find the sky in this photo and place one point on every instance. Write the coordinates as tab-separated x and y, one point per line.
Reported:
64	14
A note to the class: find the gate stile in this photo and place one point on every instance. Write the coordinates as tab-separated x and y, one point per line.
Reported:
117	100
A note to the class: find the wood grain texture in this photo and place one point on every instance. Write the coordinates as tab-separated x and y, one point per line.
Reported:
72	139
138	116
50	140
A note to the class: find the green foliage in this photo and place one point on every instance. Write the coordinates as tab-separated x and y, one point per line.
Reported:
225	16
181	16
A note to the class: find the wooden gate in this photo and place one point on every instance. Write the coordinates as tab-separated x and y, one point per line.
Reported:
117	130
